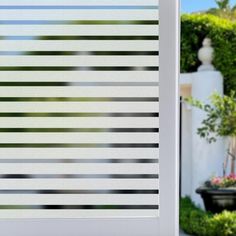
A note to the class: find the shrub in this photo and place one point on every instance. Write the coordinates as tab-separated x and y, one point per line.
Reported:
197	222
223	224
193	220
222	32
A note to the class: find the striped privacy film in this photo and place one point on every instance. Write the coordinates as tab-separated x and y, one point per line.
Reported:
79	107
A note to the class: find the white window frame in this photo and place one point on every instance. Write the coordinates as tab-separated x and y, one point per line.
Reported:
167	223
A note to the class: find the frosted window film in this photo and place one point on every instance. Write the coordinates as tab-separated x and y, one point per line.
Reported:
79	108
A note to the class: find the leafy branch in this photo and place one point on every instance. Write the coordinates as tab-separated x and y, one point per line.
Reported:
220	118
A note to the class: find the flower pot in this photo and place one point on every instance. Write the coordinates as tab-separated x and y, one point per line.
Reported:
217	200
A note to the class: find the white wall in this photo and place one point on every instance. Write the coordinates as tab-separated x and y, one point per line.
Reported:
200	160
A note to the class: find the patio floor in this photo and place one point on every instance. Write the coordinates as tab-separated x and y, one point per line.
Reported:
181	233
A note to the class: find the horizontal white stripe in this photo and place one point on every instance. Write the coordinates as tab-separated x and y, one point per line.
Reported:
79	122
97	91
79	45
77	184
77	61
79	3
79	76
79	137
75	168
65	214
79	153
77	15
98	107
79	30
79	199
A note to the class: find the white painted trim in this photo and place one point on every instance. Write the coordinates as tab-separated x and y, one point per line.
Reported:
167	224
169	117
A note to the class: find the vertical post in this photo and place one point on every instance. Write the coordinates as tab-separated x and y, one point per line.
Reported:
169	117
207	159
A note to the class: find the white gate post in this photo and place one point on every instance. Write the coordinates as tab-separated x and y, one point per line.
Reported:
207	159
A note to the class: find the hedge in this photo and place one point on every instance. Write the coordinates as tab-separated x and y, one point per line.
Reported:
197	222
195	28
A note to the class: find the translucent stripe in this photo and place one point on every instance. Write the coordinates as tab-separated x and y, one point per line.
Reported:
98	91
74	45
80	30
38	214
79	3
91	137
79	122
76	15
104	7
80	61
79	199
79	76
79	184
65	107
82	153
73	168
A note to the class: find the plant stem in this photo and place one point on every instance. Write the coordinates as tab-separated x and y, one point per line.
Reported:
232	154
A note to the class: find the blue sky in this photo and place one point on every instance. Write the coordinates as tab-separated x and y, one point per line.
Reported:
196	5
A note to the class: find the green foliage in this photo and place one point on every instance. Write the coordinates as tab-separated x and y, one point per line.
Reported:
223	224
222	32
223	4
220	116
197	222
193	220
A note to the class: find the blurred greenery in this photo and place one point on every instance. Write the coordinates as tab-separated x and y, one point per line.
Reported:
224	10
222	32
195	221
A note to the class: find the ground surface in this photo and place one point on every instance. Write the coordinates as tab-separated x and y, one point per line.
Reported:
181	233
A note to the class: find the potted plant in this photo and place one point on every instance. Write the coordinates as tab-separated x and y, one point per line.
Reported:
219	193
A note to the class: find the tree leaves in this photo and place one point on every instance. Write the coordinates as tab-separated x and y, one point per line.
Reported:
220	118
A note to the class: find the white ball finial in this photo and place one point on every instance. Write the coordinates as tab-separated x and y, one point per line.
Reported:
205	55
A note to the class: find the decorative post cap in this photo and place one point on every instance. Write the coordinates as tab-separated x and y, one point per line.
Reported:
206	55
